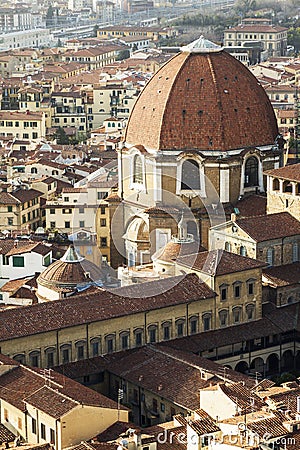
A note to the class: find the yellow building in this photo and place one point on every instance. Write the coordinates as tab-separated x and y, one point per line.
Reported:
22	125
273	238
118	31
283	191
258	31
52	408
98	322
236	280
20	209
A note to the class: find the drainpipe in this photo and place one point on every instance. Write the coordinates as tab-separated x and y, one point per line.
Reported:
56	434
26	428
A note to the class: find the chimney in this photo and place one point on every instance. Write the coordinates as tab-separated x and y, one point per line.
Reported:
233	217
16	243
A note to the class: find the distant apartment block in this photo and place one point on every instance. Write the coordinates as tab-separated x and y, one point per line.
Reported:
23	125
34	38
15	19
271	39
119	31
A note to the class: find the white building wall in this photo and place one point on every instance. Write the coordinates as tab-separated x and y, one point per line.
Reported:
33	262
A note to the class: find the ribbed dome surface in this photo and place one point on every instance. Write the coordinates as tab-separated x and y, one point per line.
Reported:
203	101
70	271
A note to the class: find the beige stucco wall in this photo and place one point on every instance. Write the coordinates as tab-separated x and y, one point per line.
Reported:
113	327
85	422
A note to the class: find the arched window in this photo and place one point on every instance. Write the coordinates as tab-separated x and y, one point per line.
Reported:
80	349
270	256
110	341
237	314
250	309
206	321
223	318
138	337
152	334
166	326
34	358
95	346
295	252
65	350
193	324
20	358
180	327
137	169
33	170
227	246
50	354
243	250
251	172
190	175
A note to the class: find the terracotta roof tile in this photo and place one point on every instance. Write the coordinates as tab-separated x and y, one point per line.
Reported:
272	426
101	305
24	195
286	275
291	172
252	205
202	101
21	383
39	248
5	434
139	365
241	396
219	262
270	226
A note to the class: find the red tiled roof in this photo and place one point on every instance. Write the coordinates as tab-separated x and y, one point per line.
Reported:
138	366
241	396
270	226
25	195
39	248
252	205
200	101
286	275
291	172
101	305
7	199
219	262
54	396
258	29
272	426
5	434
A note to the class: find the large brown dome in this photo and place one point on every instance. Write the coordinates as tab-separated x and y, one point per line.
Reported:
204	99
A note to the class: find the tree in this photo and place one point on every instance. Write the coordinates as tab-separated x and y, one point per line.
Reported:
123	54
49	16
294	38
95	30
244	6
61	137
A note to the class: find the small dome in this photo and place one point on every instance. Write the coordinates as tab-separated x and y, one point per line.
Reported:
173	249
70	271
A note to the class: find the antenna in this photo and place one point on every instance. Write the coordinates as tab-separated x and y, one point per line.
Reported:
47	377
